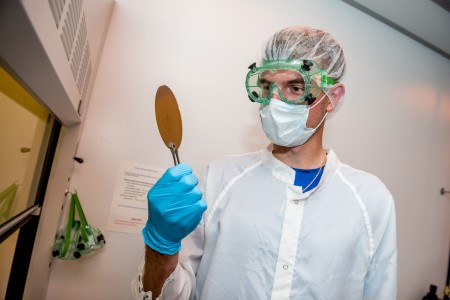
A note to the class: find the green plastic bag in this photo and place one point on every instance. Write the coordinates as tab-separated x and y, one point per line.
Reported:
77	238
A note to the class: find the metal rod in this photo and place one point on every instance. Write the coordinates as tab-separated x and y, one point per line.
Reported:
17	219
176	156
444	191
174	151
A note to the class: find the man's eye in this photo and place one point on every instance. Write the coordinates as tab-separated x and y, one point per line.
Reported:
265	86
297	88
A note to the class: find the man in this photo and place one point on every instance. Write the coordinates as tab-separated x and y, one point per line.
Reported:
288	222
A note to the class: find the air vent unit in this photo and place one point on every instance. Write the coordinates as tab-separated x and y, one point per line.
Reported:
70	21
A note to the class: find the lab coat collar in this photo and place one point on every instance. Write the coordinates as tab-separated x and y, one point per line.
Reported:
286	174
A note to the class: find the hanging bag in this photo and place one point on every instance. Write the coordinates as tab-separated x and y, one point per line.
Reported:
6	200
77	238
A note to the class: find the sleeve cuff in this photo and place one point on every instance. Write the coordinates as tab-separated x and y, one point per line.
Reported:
137	286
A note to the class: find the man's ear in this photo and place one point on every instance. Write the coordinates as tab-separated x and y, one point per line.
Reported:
336	95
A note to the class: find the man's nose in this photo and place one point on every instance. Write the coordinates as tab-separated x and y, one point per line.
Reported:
275	94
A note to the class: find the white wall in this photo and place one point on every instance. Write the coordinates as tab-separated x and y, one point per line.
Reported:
395	121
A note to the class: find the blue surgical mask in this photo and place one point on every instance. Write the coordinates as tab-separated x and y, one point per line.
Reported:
285	124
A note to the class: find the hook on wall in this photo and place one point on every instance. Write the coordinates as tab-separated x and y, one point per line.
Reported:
25	149
67	192
78	160
444	191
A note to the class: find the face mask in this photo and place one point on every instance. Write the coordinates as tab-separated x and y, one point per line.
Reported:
285	124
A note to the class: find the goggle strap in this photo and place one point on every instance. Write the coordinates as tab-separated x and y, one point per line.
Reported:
326	81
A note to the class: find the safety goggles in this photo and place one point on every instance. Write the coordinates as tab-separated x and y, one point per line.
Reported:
296	82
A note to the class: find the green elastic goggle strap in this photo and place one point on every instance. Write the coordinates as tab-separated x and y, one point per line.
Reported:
75	202
326	80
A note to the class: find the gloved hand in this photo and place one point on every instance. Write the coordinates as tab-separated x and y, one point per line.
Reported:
175	208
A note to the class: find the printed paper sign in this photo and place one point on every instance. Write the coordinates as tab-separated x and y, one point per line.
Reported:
129	208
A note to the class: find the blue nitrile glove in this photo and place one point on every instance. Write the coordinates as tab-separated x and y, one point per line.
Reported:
175	208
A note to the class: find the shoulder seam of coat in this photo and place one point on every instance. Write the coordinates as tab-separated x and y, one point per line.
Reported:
364	212
225	190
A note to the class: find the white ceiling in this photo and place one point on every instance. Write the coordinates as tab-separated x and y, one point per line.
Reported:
426	21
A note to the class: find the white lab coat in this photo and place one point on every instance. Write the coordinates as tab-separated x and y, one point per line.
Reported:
262	238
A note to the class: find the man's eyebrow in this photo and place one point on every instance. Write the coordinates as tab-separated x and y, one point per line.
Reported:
296	80
292	81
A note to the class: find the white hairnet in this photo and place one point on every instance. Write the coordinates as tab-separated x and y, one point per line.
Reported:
301	42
